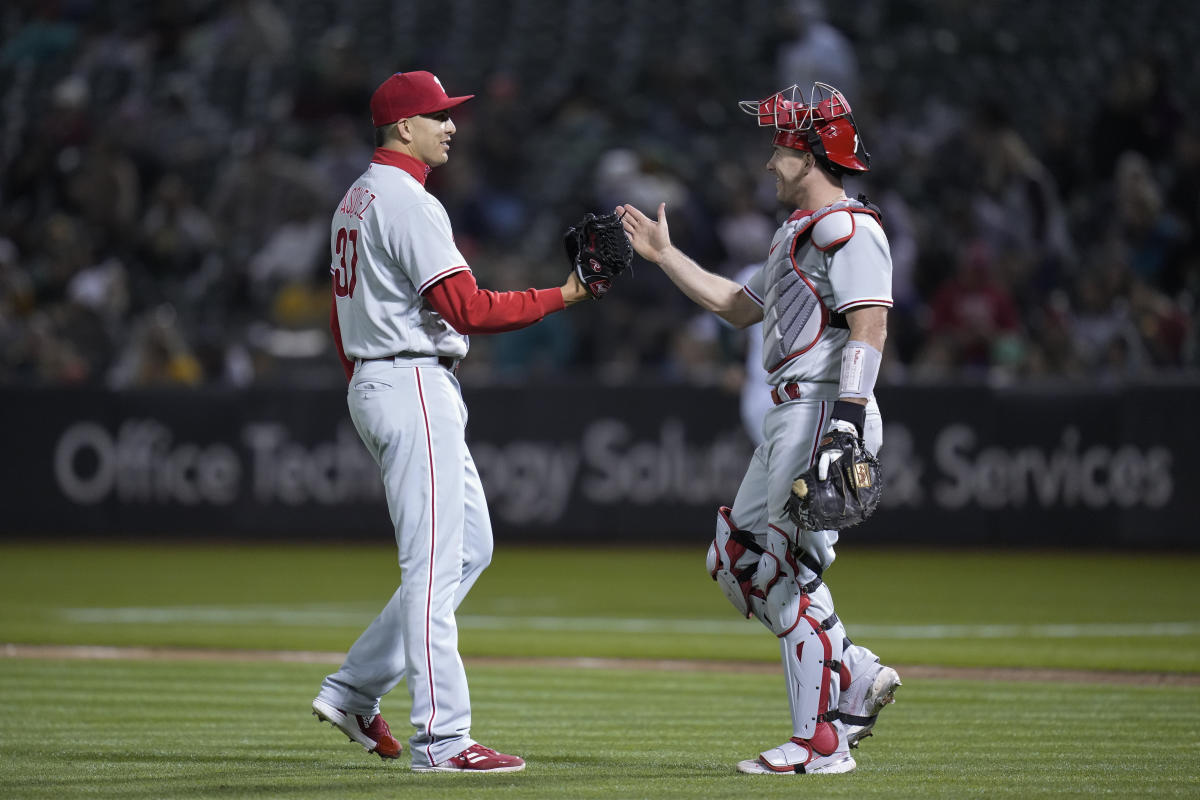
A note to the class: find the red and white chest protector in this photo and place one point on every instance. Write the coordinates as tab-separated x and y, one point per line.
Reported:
829	260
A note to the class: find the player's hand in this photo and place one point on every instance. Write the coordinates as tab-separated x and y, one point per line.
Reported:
836	446
651	239
573	291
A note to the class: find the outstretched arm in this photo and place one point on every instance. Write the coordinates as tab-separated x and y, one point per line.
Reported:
470	310
651	240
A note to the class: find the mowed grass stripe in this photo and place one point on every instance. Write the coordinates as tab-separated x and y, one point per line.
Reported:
1012	609
88	652
134	729
221	615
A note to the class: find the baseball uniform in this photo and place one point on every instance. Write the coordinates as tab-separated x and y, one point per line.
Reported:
405	302
821	264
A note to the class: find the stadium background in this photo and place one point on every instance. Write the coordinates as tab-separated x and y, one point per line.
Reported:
175	417
169	170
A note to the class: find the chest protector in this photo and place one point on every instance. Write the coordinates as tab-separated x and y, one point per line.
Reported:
795	315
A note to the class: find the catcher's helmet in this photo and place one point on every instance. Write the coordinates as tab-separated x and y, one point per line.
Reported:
822	125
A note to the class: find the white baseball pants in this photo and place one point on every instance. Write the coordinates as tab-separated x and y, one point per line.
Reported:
413	420
793	430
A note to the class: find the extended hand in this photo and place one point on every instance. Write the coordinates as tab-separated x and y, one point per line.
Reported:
573	291
650	238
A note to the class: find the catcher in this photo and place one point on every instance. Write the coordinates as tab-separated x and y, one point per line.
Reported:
822	296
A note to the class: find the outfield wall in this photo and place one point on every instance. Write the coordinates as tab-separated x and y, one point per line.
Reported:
1083	466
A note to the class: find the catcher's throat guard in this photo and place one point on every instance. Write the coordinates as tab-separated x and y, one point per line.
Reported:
820	124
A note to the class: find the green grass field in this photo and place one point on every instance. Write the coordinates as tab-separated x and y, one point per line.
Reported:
236	727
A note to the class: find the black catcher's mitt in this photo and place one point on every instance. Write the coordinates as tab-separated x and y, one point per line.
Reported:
598	251
846	496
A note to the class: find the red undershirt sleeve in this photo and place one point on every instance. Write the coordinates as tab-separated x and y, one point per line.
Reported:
336	330
471	310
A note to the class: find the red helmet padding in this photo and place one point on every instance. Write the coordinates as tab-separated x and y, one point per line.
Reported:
783	114
839	138
833	107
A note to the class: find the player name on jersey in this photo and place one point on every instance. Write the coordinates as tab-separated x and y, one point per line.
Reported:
356	201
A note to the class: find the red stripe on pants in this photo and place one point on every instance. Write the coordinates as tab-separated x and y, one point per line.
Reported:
429	587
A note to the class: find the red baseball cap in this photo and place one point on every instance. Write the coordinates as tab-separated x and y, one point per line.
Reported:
407	94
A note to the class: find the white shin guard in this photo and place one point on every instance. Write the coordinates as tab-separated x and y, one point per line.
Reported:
811	652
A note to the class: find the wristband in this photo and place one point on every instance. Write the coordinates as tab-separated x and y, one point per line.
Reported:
852	413
860	369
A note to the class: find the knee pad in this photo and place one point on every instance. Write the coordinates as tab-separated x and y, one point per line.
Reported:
776	562
778	598
732	561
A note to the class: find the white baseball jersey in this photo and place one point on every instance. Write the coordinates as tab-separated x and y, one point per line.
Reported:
821	263
391	240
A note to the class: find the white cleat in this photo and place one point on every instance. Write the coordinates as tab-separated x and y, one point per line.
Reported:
802	756
859	714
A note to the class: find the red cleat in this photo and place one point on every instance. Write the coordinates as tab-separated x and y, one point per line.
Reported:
477	758
371	732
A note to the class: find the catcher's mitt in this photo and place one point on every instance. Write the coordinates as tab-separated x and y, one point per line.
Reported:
598	251
847	495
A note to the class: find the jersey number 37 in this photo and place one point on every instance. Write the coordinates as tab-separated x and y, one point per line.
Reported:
345	278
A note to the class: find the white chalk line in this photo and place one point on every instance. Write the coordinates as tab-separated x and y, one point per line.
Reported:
295	617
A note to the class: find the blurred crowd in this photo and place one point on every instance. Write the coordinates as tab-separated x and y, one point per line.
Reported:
169	172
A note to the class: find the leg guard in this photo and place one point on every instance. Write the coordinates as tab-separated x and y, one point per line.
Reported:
732	559
810	666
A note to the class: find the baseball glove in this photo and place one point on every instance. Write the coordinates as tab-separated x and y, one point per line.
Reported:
598	251
845	495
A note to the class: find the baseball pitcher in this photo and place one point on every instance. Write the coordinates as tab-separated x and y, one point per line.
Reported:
404	303
822	296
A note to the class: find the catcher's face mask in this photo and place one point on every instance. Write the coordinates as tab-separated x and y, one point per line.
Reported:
821	124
